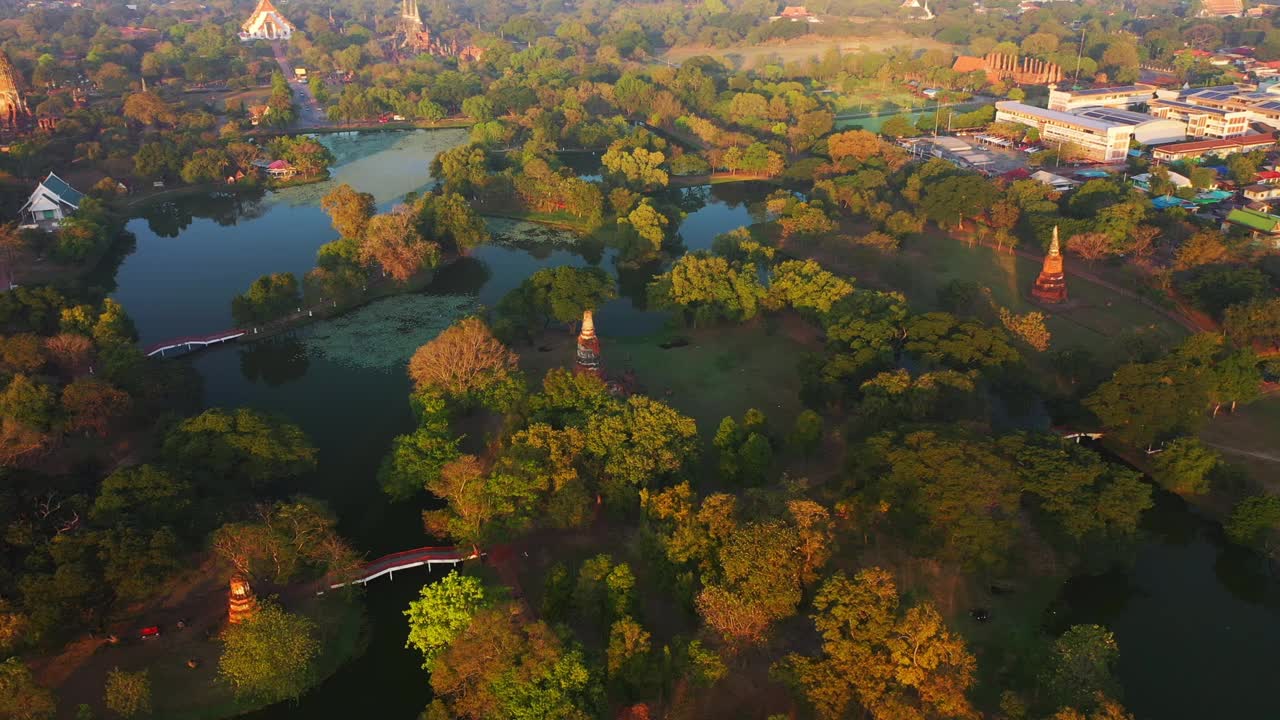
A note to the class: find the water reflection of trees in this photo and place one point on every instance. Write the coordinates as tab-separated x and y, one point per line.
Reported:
168	219
101	281
464	276
633	282
275	361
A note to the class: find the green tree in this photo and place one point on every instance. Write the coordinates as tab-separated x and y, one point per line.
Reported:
503	667
1081	493
141	495
1143	403
128	693
1254	522
349	210
638	167
443	609
1081	667
892	664
1256	321
805	285
28	401
206	165
392	241
450	219
708	288
649	224
271	656
20	697
416	461
270	297
629	658
759	583
958	344
468	364
643	440
222	448
285	540
952	199
806	435
1186	466
563	293
755	458
955	493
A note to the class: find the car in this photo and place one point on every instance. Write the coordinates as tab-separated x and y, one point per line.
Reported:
150	633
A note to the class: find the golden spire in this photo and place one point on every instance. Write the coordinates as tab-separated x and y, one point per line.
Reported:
588	325
1054	248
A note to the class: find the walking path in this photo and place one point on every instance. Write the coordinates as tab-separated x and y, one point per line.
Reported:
1248	453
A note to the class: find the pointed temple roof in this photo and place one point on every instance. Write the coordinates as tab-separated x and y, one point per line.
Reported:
266	23
1054	247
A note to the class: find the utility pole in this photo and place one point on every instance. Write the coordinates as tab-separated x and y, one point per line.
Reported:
1079	55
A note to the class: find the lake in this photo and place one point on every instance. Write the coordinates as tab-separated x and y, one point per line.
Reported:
1196	619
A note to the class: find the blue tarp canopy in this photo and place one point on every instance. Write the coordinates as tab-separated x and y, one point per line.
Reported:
1165	202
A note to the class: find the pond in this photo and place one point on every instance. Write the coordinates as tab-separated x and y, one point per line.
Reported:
1196	621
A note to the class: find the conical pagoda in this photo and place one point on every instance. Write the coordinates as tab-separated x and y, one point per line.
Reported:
266	23
588	346
1051	286
13	108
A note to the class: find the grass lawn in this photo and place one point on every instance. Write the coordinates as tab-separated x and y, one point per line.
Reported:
1248	438
180	693
1096	318
721	371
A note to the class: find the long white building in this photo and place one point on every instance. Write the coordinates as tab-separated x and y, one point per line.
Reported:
1104	141
1202	120
1147	130
1124	96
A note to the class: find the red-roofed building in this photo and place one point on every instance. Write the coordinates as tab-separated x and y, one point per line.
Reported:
1221	148
796	13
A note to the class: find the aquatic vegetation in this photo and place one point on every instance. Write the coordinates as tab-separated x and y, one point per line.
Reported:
384	334
524	234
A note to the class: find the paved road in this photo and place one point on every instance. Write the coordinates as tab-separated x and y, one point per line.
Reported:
310	114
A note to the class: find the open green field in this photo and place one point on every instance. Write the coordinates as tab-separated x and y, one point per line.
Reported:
721	371
1248	438
181	693
747	56
1096	318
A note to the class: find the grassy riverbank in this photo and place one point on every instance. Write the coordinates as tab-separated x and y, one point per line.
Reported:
182	693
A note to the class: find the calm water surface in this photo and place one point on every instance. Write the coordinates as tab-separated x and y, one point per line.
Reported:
1195	618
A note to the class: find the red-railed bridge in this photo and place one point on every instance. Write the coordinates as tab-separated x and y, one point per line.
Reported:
389	564
194	341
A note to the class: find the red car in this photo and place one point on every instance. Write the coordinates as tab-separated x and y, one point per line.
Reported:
149	633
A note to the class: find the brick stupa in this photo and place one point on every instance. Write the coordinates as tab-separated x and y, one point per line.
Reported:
241	601
1051	286
588	346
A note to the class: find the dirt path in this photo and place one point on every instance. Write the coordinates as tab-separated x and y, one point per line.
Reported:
1241	451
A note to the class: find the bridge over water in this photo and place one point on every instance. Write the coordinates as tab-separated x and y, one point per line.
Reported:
389	564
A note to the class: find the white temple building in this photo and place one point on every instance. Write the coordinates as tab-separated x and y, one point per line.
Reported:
266	23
